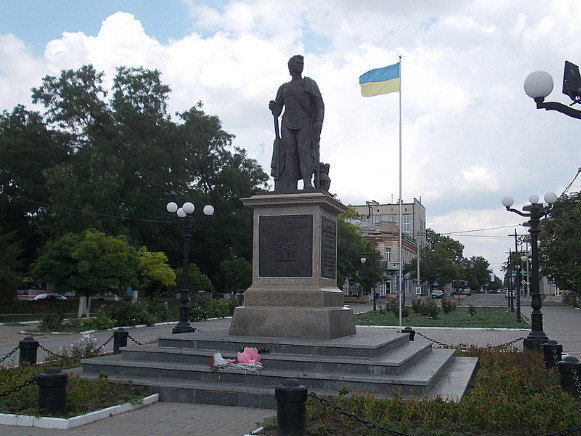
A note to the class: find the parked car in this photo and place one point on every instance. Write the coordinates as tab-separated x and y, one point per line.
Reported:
44	297
437	293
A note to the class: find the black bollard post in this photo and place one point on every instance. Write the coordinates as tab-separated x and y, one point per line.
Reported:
552	352
28	350
52	392
119	339
291	409
410	331
569	369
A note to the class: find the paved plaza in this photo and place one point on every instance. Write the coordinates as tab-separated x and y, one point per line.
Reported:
561	323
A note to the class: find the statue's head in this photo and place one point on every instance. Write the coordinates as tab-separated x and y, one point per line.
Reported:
296	64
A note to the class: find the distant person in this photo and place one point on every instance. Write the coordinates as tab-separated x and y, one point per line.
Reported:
296	152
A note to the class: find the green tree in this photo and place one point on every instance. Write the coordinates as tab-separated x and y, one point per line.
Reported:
125	158
154	272
351	247
476	272
440	259
197	280
56	265
104	264
10	266
560	243
237	274
27	148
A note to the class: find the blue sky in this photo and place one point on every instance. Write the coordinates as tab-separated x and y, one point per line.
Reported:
38	22
470	134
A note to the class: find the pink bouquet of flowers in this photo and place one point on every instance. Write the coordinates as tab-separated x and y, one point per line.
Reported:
248	360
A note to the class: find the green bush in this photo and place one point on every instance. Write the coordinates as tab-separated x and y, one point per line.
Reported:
133	313
448	306
504	399
430	309
416	305
99	321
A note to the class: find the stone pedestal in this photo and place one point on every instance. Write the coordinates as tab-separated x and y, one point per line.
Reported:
294	290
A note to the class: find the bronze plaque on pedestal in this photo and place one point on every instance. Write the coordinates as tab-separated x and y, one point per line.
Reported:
285	246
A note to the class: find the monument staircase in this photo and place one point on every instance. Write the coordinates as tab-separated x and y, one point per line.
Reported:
370	362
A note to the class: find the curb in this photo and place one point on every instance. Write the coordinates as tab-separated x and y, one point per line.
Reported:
75	421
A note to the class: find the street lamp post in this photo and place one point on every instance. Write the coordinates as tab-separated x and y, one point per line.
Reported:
183	213
539	85
534	212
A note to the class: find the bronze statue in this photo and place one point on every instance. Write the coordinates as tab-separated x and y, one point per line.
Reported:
296	149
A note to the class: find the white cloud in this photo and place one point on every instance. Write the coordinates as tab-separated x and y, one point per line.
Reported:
470	134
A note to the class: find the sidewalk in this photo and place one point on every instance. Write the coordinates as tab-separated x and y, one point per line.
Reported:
561	323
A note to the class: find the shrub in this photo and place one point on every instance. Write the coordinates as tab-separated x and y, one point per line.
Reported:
430	309
99	321
133	313
448	306
416	305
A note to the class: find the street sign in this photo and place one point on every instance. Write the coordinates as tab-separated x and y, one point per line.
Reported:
523	282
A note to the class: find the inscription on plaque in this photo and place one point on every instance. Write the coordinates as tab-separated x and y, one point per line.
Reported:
328	248
285	246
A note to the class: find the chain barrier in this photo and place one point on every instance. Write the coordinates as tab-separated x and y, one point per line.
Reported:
452	347
368	424
46	350
17	388
98	349
10	354
577	382
134	340
556	358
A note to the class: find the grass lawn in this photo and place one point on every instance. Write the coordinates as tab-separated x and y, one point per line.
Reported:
484	317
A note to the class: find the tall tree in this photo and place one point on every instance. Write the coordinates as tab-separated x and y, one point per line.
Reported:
112	159
440	259
560	243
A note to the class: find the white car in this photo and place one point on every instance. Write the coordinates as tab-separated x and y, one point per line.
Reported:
44	297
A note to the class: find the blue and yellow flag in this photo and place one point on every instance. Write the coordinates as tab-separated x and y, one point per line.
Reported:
380	81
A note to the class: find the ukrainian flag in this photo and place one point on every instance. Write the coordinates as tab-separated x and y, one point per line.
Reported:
380	81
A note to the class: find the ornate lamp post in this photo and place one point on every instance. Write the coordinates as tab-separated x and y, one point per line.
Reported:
539	85
534	212
183	213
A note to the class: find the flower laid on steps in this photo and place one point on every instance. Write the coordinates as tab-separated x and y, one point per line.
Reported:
248	360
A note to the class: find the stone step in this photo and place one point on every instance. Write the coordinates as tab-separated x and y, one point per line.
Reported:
371	344
393	362
222	392
416	380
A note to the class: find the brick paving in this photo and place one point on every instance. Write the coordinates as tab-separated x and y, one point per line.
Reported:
561	323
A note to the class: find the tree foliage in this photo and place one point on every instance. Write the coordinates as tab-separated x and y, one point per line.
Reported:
560	243
111	159
10	266
351	247
440	259
236	273
154	272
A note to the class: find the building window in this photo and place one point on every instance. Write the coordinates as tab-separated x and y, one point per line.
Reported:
406	224
392	218
388	254
378	219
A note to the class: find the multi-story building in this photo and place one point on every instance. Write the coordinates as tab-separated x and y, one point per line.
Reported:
380	223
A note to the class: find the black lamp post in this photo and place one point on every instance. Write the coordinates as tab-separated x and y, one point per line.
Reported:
183	213
534	212
539	85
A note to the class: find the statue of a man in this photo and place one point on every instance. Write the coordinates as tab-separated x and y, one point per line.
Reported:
296	151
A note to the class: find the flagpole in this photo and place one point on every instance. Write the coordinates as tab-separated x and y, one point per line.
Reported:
400	259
